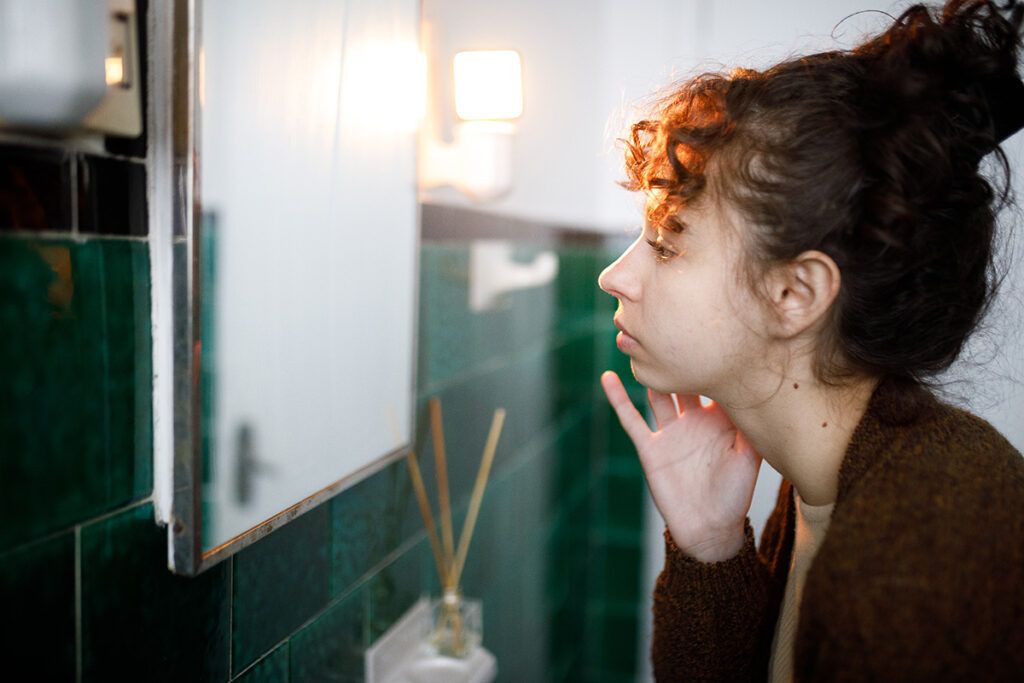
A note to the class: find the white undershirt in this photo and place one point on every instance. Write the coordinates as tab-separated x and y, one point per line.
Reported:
811	525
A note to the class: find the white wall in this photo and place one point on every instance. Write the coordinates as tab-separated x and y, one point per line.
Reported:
588	63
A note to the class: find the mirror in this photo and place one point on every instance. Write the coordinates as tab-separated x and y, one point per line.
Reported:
294	261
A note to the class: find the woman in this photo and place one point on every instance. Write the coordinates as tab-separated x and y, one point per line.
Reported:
817	248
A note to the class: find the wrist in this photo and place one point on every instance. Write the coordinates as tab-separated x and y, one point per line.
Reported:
716	548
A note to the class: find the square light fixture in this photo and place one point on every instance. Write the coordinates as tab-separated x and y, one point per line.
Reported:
488	85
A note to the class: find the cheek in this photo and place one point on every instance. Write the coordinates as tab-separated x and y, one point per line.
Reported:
707	324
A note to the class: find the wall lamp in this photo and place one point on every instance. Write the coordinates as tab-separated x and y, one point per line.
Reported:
488	98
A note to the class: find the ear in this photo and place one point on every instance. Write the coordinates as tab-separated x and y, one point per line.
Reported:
802	291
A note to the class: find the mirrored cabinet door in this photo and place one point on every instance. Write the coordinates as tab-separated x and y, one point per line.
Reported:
297	264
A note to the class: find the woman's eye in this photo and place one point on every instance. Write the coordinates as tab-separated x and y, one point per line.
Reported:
661	253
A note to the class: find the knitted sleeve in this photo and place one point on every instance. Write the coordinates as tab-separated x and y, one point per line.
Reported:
710	619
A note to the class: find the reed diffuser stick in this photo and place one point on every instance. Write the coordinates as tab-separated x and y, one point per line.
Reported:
444	501
428	518
478	493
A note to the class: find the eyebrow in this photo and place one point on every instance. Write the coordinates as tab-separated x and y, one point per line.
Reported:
672	226
677	222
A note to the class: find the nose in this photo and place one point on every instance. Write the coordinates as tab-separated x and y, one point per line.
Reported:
619	280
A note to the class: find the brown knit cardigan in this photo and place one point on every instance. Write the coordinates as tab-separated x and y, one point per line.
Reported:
920	576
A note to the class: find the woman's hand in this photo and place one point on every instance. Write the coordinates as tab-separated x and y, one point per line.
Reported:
700	469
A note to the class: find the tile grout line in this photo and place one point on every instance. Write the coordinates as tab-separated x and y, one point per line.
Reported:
283	643
78	603
74	527
363	580
496	363
76	237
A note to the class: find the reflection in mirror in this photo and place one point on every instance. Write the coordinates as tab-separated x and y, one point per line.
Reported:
306	251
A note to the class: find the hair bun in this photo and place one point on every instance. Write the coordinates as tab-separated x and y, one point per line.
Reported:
1004	95
951	67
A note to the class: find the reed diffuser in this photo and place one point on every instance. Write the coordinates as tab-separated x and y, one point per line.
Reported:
456	629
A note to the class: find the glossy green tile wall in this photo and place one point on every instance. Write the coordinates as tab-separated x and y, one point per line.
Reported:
139	621
75	363
556	552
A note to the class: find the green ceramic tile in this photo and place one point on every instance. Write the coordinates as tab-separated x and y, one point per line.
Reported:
566	639
576	374
454	339
534	628
564	667
76	365
619	646
609	355
625	496
271	669
140	621
576	359
569	556
538	354
572	459
608	676
368	521
522	387
280	582
622	573
615	437
331	648
535	480
498	538
617	441
578	518
142	480
515	630
394	589
577	288
601	259
37	591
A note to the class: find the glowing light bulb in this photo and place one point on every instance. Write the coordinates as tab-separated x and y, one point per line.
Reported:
114	70
488	84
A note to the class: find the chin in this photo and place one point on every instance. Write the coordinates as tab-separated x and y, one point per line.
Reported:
660	382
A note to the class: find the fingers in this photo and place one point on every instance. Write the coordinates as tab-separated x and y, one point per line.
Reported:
688	401
632	421
663	406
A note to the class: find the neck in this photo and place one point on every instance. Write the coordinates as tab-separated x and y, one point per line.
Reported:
803	430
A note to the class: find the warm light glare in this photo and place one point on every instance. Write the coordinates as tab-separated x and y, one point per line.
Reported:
488	84
385	85
115	70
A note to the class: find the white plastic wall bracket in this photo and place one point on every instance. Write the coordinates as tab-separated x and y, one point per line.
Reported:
493	272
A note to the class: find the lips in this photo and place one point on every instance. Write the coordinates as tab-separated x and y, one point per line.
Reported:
624	340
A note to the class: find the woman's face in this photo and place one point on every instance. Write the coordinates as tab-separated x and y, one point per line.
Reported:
687	323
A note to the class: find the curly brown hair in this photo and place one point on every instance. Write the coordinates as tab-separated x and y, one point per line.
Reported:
870	155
